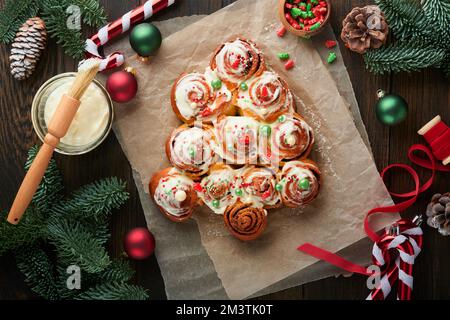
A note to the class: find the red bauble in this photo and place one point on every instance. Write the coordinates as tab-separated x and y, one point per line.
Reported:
139	243
122	85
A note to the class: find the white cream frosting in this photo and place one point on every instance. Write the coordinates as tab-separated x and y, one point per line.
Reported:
250	98
194	93
91	119
167	194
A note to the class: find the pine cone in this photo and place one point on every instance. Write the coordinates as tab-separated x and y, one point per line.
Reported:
438	213
364	28
27	48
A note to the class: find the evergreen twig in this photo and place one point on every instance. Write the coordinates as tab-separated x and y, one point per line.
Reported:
403	57
13	15
37	268
114	291
92	12
75	245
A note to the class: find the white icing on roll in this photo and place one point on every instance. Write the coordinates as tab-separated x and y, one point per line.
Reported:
238	139
168	188
219	189
266	95
191	150
292	173
258	185
194	94
233	61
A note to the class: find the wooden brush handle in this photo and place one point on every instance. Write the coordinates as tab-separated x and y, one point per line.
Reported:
57	129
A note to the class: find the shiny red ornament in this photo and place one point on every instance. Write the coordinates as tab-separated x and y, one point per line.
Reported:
122	86
139	244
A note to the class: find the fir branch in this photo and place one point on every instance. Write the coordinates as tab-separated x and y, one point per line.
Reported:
55	17
37	268
403	57
29	230
13	15
437	13
76	245
92	12
114	291
403	17
50	190
118	271
94	201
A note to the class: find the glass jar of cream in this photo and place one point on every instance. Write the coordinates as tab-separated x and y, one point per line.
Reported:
91	124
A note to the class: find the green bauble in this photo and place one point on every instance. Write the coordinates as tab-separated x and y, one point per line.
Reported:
391	109
145	39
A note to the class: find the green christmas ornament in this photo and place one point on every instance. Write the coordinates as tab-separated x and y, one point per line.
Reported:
391	109
145	39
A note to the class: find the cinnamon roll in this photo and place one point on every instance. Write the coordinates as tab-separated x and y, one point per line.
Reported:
290	137
236	61
218	189
194	98
174	194
300	183
238	139
265	97
259	187
189	148
244	221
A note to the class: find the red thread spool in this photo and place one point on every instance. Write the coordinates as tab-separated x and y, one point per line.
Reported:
437	134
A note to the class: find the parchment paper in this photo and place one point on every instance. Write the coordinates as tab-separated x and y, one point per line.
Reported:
334	221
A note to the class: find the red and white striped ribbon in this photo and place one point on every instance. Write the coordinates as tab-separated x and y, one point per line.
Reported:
118	27
395	255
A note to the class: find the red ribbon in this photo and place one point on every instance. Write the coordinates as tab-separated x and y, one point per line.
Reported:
428	162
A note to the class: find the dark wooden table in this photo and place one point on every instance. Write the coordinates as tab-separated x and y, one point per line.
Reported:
427	93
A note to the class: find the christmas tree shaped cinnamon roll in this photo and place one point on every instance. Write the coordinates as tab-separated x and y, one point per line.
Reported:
244	221
299	183
190	149
259	186
238	139
200	97
290	137
174	194
265	97
236	61
218	189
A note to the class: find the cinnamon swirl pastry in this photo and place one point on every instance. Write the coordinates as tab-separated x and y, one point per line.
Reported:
300	183
190	149
238	139
265	97
174	194
236	61
290	137
218	189
193	97
259	187
244	221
